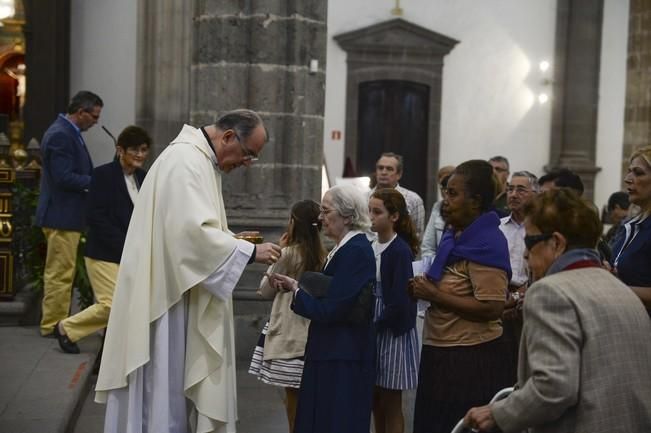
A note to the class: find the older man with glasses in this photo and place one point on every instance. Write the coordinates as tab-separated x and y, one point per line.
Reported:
61	210
501	171
522	188
169	357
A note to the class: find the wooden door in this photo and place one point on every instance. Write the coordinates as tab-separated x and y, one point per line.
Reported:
393	117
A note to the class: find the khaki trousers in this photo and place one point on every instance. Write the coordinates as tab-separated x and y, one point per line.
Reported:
58	275
102	276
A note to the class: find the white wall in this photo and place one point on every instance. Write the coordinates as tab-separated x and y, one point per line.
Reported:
103	60
491	79
612	98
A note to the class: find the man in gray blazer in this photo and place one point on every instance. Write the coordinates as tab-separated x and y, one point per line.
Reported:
585	354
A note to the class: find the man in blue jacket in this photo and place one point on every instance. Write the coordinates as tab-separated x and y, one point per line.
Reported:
61	211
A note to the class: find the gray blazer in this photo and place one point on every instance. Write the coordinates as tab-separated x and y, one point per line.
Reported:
585	358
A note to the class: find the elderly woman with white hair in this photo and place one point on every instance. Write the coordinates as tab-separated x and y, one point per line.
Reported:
339	372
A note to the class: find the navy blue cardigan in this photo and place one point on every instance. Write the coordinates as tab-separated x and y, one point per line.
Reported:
331	336
109	212
396	269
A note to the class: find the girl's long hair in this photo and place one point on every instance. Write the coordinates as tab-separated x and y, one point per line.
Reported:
306	237
394	202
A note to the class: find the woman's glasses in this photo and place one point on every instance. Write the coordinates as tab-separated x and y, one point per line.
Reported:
531	240
135	151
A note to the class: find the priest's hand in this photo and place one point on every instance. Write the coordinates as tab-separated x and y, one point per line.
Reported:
267	253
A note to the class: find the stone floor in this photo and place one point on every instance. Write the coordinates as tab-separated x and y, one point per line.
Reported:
43	390
41	387
260	408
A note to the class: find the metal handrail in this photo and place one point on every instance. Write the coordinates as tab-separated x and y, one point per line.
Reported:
500	395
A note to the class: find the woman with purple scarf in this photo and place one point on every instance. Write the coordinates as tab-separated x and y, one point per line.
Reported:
463	358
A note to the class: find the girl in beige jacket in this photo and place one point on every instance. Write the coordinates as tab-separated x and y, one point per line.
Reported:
278	357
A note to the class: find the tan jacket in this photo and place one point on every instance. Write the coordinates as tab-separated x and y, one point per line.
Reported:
585	358
287	332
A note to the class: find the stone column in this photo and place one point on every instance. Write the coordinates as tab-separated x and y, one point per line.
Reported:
257	55
576	88
163	74
637	118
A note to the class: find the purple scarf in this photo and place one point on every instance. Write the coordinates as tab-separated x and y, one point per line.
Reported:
481	242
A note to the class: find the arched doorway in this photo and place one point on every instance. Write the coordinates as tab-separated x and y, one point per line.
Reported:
401	64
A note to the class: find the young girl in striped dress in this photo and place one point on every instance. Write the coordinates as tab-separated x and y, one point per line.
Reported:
395	312
278	357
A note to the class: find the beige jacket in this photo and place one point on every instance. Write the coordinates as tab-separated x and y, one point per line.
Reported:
287	333
585	358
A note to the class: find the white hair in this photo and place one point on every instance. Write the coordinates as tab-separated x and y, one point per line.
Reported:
533	180
350	202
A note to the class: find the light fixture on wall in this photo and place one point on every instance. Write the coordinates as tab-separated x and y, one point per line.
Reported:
314	66
543	66
7	9
543	97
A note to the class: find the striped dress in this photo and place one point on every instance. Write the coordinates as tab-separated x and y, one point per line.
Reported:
397	357
280	372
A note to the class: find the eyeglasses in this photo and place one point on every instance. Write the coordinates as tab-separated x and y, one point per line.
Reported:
517	190
531	240
137	151
249	155
93	115
325	211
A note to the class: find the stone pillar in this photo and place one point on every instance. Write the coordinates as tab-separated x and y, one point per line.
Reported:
163	75
257	55
576	88
637	118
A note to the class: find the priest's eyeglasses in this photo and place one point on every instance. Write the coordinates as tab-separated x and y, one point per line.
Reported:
249	155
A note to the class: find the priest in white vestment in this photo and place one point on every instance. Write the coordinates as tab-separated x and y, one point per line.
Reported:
169	359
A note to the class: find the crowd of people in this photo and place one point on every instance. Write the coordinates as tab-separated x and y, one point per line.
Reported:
520	287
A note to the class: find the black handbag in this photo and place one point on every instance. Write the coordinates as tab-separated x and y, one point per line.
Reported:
317	284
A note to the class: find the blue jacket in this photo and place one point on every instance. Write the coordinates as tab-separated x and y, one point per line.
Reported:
633	265
331	336
396	269
65	178
109	212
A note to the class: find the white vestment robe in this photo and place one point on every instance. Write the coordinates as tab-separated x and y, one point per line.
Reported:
170	332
